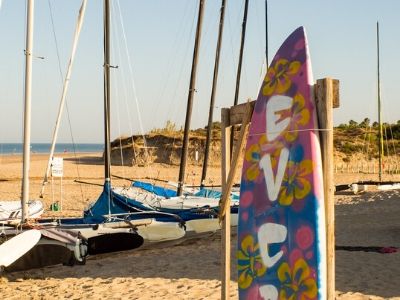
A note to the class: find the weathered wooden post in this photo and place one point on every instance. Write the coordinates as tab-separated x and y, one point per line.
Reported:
327	97
229	117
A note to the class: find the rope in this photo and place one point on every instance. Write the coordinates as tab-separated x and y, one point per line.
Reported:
66	103
133	85
116	92
299	130
178	83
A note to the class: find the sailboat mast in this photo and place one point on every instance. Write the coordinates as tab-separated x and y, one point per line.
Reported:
107	159
239	70
379	107
64	93
27	110
213	92
182	169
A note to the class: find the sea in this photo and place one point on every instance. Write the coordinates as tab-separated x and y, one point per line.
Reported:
17	148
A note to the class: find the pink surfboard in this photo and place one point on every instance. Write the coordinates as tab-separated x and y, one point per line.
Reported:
281	235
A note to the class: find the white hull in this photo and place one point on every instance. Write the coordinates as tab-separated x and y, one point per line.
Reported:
178	202
40	248
150	229
11	211
208	225
389	187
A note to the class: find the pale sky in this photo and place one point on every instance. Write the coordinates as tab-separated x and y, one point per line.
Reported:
160	38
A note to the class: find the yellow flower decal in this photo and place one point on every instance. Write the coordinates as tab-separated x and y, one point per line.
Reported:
254	152
253	156
250	263
294	184
278	76
297	283
300	117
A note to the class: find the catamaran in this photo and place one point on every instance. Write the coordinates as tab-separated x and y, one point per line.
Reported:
118	210
25	247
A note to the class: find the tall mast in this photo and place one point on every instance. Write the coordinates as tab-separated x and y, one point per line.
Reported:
27	109
64	93
185	145
213	92
379	108
107	171
239	70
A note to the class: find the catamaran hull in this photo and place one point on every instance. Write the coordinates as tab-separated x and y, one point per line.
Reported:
54	247
149	229
11	211
208	225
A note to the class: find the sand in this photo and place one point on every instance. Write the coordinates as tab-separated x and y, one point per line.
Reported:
192	270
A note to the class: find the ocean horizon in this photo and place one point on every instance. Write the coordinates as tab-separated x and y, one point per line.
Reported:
42	148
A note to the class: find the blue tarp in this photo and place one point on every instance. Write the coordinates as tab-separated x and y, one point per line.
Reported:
168	193
158	190
110	202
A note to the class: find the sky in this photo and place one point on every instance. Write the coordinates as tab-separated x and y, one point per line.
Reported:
152	45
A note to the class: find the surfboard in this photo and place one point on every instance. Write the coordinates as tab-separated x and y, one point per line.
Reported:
281	235
16	247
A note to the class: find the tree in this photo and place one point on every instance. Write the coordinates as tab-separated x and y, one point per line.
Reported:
353	123
365	123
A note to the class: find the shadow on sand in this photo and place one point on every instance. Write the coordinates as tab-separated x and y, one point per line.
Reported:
370	220
164	260
86	160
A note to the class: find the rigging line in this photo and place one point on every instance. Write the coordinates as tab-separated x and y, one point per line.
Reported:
393	144
174	97
185	58
388	124
231	38
55	40
171	62
116	90
130	69
291	131
384	132
208	37
366	135
386	141
369	140
61	77
258	26
131	73
125	93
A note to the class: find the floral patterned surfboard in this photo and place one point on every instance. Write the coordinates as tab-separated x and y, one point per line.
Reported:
281	235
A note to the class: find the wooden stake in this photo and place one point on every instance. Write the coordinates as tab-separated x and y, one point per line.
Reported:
225	199
228	174
324	92
225	230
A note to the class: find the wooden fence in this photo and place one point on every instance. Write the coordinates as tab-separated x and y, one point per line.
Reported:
366	168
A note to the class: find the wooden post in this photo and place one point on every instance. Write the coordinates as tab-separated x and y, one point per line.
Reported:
325	101
226	129
229	168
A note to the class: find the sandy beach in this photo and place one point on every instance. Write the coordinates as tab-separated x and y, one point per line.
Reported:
192	270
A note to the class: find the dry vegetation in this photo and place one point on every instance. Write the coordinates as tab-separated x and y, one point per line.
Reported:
352	141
